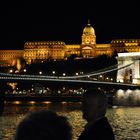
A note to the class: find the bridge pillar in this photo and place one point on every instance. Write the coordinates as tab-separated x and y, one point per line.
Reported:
131	73
136	72
120	72
124	74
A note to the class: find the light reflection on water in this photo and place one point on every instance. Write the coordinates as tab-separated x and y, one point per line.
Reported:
125	121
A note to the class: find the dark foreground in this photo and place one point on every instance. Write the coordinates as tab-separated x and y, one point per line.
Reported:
125	121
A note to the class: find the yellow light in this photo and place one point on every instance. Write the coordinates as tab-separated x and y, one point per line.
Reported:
17	102
11	71
120	93
47	102
63	102
32	102
101	76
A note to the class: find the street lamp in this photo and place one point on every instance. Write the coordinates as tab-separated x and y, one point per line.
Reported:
76	73
107	78
40	72
53	72
24	70
64	74
101	76
10	70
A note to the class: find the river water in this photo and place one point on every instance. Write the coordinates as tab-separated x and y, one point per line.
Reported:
125	121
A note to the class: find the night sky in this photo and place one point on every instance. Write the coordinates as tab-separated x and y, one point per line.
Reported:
59	21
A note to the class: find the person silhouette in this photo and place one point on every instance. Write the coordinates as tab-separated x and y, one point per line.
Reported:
94	107
43	125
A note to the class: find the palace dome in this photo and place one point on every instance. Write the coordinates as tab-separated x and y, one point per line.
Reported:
89	30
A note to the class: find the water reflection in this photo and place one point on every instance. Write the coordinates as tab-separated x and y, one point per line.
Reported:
15	111
128	97
124	120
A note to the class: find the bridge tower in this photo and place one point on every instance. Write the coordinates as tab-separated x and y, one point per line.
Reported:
131	73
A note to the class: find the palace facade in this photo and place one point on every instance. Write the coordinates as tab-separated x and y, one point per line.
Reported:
35	51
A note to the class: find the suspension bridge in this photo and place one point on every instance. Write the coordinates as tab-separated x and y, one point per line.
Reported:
82	79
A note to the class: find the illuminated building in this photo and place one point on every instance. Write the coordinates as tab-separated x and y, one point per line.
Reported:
43	50
129	45
39	51
10	57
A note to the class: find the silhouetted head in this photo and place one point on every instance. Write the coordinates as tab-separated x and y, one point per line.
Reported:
44	125
94	104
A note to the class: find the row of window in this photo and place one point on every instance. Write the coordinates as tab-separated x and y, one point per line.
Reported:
44	43
8	56
44	51
126	41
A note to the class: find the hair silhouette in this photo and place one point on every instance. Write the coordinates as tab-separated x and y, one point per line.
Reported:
44	125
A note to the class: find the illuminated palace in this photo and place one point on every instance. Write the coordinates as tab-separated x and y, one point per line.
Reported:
57	50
